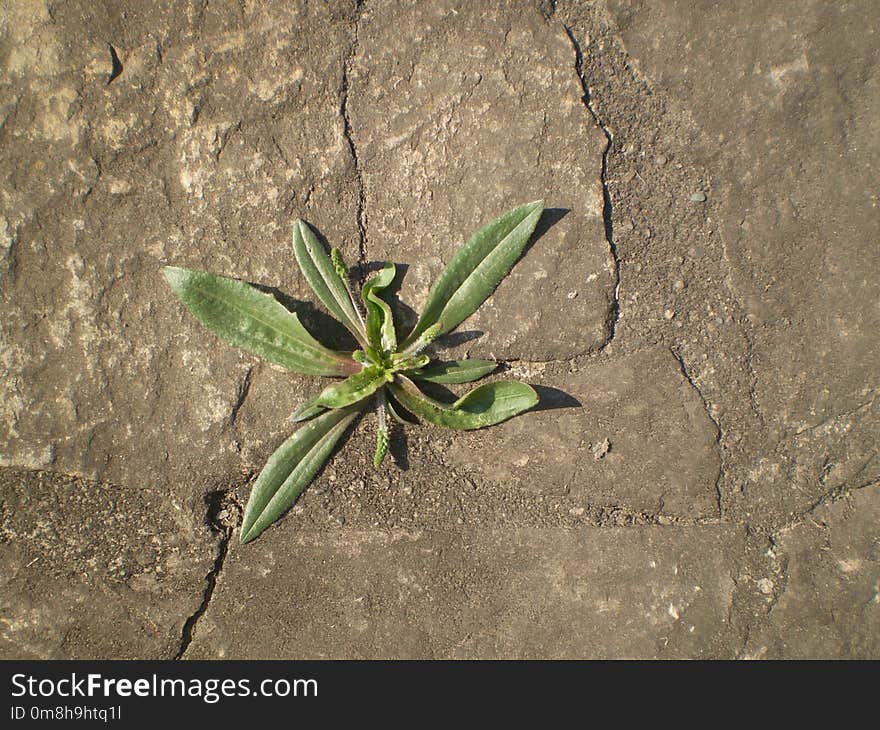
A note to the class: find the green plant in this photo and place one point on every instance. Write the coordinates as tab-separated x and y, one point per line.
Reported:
383	370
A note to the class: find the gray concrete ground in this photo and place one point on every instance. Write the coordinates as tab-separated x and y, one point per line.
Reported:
703	477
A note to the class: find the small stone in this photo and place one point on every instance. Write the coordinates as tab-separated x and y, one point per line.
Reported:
340	520
572	295
765	585
600	449
669	314
576	511
660	159
699	197
679	285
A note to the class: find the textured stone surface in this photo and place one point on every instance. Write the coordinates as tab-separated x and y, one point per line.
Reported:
714	316
459	116
658	591
90	570
642	443
792	155
220	130
829	603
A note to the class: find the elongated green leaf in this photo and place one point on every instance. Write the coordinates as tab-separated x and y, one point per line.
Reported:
477	269
456	371
308	409
247	318
322	276
395	414
484	406
290	470
352	389
380	323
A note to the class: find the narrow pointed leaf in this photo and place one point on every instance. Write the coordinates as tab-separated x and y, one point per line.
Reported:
352	389
255	321
396	415
484	406
320	272
477	269
380	323
308	409
456	371
290	470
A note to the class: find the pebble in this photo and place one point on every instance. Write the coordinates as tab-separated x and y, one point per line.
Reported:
600	449
669	314
660	159
765	585
679	285
699	197
572	295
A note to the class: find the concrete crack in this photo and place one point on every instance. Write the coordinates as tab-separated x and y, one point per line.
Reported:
828	498
753	374
243	391
223	517
607	206
349	137
715	423
838	416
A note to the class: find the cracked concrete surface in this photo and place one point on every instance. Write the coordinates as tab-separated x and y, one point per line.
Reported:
699	313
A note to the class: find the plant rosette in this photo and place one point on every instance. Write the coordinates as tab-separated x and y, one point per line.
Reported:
384	372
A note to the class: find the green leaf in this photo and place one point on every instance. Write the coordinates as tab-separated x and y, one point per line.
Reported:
290	470
484	406
320	271
308	409
352	389
380	322
255	321
456	371
392	411
477	269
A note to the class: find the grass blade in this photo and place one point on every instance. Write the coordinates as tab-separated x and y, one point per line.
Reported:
255	321
319	271
290	470
455	371
484	406
477	269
